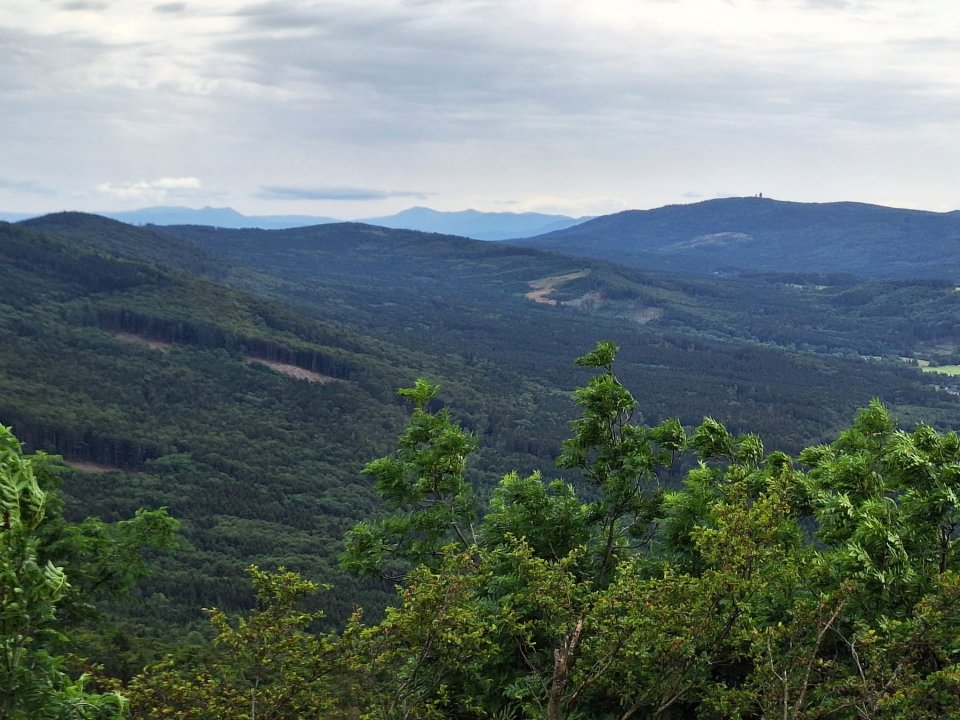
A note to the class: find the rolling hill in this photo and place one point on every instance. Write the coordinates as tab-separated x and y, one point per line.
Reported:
243	377
759	234
466	223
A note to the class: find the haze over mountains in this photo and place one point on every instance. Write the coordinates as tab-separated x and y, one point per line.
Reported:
722	236
465	223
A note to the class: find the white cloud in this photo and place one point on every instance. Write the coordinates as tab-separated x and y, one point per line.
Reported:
581	103
574	206
154	190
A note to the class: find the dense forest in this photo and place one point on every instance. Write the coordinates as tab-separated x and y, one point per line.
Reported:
239	380
762	585
750	234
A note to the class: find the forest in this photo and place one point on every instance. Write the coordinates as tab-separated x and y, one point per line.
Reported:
215	395
762	585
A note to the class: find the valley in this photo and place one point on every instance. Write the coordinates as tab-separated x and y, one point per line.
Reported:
242	378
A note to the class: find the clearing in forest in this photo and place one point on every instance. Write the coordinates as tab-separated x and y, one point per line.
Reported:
139	339
952	370
293	371
544	287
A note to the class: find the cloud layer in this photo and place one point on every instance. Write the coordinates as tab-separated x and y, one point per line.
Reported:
154	190
340	108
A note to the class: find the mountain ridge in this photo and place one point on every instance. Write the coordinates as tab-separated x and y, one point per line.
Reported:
761	234
474	224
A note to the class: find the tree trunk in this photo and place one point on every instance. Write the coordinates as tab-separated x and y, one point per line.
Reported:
563	660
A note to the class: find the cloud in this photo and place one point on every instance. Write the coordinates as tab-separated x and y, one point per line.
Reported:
84	5
576	206
154	190
25	186
484	100
282	192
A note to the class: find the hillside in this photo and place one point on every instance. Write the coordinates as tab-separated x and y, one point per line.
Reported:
460	308
178	392
758	234
177	387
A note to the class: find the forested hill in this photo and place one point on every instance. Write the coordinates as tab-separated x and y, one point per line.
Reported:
248	421
243	378
750	234
488	318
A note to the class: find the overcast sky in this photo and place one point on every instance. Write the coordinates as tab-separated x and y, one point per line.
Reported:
366	107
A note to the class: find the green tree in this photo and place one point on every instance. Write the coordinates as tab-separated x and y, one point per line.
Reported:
711	599
271	665
621	458
34	682
886	504
424	483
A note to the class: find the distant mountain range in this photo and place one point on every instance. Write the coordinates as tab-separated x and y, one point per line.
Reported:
475	224
726	236
214	217
465	223
733	235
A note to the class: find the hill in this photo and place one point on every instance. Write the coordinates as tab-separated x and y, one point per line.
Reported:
475	224
466	223
217	217
177	364
758	234
248	421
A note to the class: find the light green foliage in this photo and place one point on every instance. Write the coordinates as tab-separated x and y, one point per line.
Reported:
622	458
951	370
706	600
425	481
663	638
270	665
433	654
34	683
887	506
103	560
711	599
900	669
547	516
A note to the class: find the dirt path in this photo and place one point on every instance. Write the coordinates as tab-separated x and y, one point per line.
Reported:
544	287
152	344
290	370
90	467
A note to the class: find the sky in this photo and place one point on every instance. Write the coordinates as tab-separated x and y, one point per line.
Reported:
358	108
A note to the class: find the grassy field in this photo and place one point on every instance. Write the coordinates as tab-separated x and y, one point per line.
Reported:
952	370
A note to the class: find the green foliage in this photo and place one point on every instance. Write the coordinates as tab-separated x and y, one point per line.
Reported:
729	611
887	508
723	606
430	656
269	665
104	560
261	467
547	516
680	515
425	480
33	680
619	457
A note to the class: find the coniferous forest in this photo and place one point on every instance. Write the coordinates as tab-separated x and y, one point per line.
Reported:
745	507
